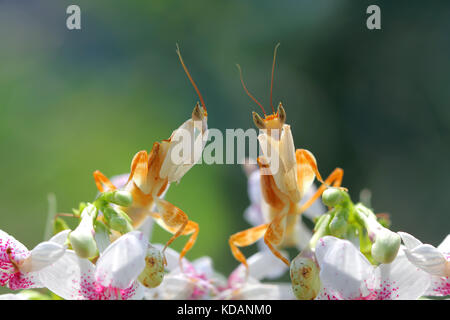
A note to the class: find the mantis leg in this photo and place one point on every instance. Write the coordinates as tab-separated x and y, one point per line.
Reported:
335	178
244	239
193	229
139	169
172	218
274	236
100	180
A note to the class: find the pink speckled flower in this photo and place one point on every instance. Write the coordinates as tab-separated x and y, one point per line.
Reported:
198	280
435	261
20	268
113	277
262	265
346	274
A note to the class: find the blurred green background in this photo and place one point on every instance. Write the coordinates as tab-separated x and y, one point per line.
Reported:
375	103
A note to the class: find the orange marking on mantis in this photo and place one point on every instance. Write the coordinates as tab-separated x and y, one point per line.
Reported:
334	178
100	180
245	238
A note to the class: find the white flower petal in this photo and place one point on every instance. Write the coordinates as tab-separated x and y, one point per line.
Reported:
328	294
285	291
258	292
344	268
12	296
261	265
25	280
439	287
264	265
303	235
253	214
19	251
120	181
428	258
43	255
409	241
172	257
61	237
254	187
400	280
204	265
146	227
123	261
139	291
173	287
67	277
445	245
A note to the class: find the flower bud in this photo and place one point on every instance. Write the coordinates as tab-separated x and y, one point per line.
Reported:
118	220
332	197
121	198
82	238
338	225
385	242
120	224
153	273
386	246
305	276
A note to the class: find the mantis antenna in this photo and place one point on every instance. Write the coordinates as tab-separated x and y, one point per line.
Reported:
190	78
248	93
271	79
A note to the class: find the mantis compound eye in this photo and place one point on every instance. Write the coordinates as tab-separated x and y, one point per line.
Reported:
259	122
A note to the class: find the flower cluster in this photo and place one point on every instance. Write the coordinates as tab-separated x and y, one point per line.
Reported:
349	254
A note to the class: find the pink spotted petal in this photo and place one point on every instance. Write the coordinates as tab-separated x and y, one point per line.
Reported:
440	287
28	280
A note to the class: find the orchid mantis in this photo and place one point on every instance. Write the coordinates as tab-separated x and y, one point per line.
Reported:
153	172
282	189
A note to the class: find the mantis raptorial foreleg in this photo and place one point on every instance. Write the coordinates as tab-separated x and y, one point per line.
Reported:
275	234
244	239
100	180
335	179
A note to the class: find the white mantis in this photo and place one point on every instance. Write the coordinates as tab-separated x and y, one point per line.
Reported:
282	189
153	172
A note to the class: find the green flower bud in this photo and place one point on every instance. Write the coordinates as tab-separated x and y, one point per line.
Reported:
120	224
386	246
338	225
305	276
118	220
153	273
82	238
121	198
385	242
332	197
